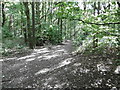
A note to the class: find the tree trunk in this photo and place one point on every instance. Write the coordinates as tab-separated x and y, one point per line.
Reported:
10	22
25	35
43	9
94	37
51	13
65	30
74	29
61	30
38	12
28	25
3	14
118	38
58	30
84	3
33	24
23	28
118	4
61	22
45	3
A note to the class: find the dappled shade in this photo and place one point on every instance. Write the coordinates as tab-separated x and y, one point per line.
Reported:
56	68
60	45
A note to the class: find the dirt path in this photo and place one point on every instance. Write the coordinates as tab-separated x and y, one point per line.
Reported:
55	68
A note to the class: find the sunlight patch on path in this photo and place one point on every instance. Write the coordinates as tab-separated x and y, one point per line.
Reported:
6	59
48	80
77	64
57	47
1	60
61	52
50	56
59	85
31	59
25	57
84	70
42	71
23	69
39	57
66	62
45	70
43	50
102	67
117	70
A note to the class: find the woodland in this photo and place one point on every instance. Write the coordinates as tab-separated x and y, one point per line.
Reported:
50	44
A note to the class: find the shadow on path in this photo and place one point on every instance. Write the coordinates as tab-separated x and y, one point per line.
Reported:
56	68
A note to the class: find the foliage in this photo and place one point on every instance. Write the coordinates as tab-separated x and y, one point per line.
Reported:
56	21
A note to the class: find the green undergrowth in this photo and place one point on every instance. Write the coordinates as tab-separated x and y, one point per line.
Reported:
12	44
102	50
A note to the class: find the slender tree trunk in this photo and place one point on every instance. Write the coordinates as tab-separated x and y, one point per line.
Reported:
61	22
13	27
51	13
45	3
38	12
58	30
98	12
38	22
94	37
65	30
118	38
25	35
58	23
27	12
21	21
10	22
43	9
23	28
84	3
33	24
3	14
70	30
61	30
74	29
118	4
42	14
98	9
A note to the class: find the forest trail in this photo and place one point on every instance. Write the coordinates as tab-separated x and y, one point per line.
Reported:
54	67
25	69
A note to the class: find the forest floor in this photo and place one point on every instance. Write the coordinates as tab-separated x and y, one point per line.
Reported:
55	68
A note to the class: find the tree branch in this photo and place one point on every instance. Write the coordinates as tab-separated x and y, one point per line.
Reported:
50	10
96	23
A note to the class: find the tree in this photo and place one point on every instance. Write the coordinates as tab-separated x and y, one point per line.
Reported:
40	22
3	14
33	25
27	12
118	38
23	24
